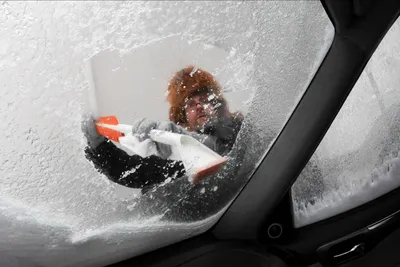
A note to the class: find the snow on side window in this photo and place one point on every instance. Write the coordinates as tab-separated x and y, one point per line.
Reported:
358	159
63	203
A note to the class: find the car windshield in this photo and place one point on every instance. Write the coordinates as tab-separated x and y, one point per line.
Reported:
220	78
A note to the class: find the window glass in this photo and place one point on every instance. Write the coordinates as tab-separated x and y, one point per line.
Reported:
357	161
69	196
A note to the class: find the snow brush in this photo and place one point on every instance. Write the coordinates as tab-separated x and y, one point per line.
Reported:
199	160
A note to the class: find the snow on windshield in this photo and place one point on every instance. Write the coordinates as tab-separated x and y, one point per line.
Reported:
358	159
53	203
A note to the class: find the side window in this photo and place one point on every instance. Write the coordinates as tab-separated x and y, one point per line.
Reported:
358	159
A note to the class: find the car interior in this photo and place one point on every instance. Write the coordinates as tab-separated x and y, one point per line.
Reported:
257	228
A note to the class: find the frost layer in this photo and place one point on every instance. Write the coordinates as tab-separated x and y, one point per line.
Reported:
357	161
55	209
354	189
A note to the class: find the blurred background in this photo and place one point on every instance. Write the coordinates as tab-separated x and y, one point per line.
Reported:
134	85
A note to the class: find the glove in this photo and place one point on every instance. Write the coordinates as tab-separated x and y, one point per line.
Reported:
142	127
88	126
223	129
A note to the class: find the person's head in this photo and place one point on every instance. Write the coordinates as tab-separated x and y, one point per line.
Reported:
195	98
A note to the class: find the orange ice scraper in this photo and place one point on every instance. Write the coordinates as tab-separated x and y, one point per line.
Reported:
199	160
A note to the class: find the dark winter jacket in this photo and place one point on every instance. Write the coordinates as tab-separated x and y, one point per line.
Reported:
180	200
145	173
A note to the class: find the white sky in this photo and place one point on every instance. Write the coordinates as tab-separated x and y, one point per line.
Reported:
132	86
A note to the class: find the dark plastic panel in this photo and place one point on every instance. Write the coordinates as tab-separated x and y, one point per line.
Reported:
311	119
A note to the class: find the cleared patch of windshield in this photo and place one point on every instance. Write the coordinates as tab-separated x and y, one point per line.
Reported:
358	159
57	207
